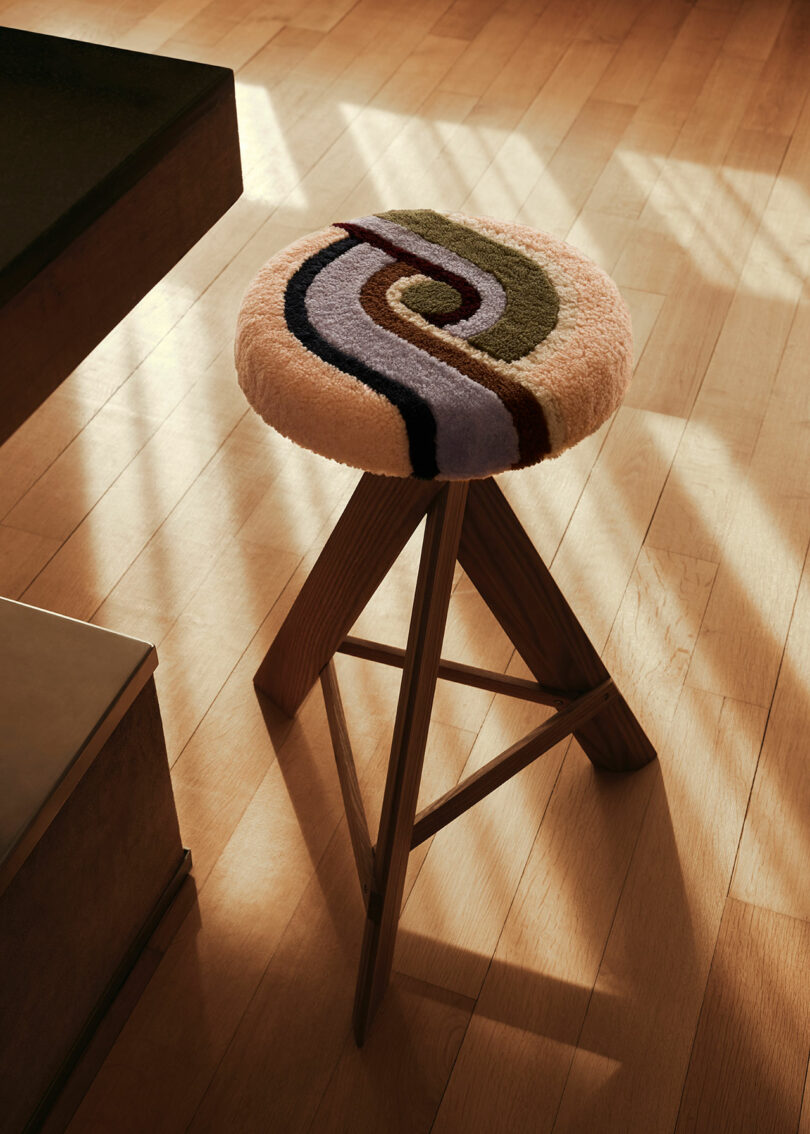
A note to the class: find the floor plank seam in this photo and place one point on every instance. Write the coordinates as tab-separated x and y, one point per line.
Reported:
700	1015
805	562
630	858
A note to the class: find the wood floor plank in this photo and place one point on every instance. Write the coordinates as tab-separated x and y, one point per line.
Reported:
702	281
644	307
489	52
30	451
641	1021
544	496
724	425
101	548
22	556
748	617
524	1030
756	29
534	1041
165	1057
602	236
308	985
361	137
82	473
654	634
555	116
804	1121
454	916
239	42
464	19
607	529
567	180
158	24
771	864
212	790
396	175
611	22
670	141
633	170
750	1056
641	53
396	1084
320	15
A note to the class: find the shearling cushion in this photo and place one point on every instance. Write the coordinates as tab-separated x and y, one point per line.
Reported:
416	343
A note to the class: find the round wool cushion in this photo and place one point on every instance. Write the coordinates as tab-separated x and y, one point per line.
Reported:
418	343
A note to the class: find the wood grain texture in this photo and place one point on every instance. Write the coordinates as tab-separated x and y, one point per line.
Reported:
555	930
458	672
22	556
654	633
804	1121
91	885
452	920
308	985
372	531
749	614
611	520
658	954
181	518
394	839
499	559
750	1055
508	763
29	452
775	844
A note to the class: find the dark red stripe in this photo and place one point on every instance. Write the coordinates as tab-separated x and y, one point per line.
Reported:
527	414
470	297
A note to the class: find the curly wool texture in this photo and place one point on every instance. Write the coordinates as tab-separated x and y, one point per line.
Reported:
585	365
300	395
332	351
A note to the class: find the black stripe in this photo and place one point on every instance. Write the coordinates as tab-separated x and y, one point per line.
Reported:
420	423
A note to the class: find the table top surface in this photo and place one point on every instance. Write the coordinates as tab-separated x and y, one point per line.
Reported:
60	680
81	123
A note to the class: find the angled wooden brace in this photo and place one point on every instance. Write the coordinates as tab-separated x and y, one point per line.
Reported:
471	522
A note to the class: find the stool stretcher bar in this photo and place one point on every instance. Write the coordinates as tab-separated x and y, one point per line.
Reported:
462	674
511	761
469	522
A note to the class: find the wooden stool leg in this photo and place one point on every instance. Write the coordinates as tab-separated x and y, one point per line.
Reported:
502	563
425	636
376	524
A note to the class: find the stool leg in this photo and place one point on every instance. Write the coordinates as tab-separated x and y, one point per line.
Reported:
376	524
502	563
425	637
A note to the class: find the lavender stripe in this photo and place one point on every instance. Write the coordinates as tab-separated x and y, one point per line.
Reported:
493	296
474	430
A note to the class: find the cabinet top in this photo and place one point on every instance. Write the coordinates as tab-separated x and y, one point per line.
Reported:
81	123
64	687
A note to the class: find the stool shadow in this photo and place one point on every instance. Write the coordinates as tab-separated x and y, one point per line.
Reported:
512	998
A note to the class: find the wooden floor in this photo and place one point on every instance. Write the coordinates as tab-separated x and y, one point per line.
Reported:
579	953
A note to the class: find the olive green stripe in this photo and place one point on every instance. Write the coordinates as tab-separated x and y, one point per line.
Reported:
532	304
432	297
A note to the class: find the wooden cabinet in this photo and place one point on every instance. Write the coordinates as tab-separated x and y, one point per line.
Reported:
90	850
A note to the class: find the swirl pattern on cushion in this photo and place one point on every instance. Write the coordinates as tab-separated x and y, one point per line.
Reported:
416	343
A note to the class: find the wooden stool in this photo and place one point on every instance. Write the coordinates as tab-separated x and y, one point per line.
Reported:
433	351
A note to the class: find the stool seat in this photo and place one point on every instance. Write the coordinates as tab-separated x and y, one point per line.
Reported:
432	345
